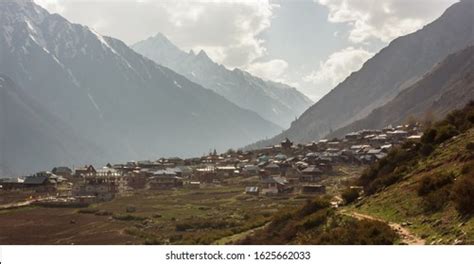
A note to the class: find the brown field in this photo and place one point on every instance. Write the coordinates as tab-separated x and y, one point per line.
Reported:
213	215
180	216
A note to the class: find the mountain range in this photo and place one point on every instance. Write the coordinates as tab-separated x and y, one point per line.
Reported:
30	134
449	86
125	104
275	102
401	64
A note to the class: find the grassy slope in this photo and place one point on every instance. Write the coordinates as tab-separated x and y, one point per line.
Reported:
401	203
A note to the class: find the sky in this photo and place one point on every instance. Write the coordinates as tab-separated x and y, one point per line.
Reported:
310	44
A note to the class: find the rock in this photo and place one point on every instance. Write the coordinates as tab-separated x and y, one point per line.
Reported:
72	221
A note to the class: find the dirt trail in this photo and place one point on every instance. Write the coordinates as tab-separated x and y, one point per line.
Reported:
405	234
16	205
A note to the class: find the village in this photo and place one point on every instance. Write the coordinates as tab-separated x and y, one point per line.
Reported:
284	169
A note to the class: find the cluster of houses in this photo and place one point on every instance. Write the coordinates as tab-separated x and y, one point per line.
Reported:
282	168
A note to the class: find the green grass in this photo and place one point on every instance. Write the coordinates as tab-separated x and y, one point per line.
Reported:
401	203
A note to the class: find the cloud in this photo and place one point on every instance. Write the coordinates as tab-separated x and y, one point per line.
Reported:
269	70
228	30
338	66
383	20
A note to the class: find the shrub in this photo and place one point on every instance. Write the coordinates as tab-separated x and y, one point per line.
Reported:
434	201
432	183
128	217
470	146
350	195
467	168
315	220
313	206
426	149
463	194
446	132
429	136
357	232
470	118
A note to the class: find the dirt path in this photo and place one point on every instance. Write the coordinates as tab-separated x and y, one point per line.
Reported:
16	205
405	234
21	204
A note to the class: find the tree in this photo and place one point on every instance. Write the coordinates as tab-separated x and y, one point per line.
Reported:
463	194
350	195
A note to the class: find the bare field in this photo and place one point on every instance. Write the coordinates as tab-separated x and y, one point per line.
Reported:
202	216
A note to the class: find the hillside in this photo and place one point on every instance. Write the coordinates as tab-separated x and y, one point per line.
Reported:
394	68
28	132
429	186
122	102
449	86
317	223
275	102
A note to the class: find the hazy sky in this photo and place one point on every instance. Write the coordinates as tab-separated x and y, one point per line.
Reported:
310	44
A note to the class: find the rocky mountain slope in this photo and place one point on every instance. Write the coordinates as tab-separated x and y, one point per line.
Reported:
30	137
449	86
383	77
275	102
121	101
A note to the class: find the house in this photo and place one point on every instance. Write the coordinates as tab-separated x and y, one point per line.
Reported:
43	181
108	172
273	185
313	189
252	190
397	134
280	157
164	179
11	184
102	184
62	171
250	170
103	188
272	169
193	185
207	174
136	179
311	174
85	171
227	171
353	136
415	137
286	144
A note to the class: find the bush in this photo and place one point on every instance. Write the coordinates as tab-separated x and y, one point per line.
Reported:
446	132
434	201
315	220
357	232
429	136
350	195
432	183
467	168
426	149
470	146
313	206
128	217
463	194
